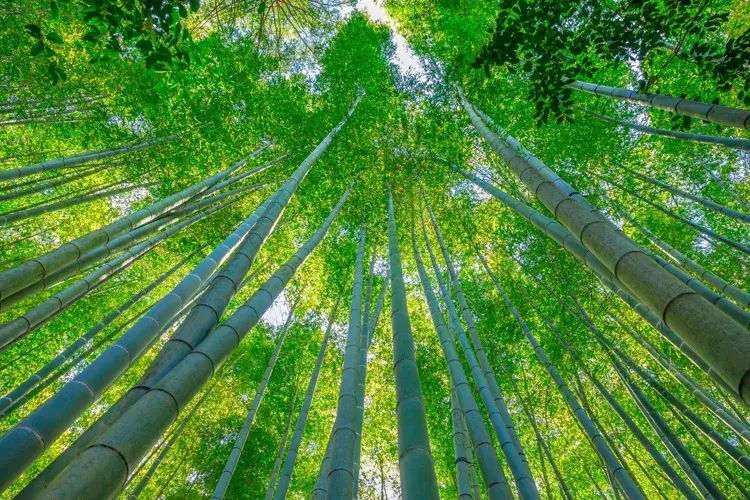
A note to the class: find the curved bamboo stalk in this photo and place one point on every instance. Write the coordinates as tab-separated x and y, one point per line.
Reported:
22	389
340	481
145	421
714	113
721	342
80	159
37	268
712	140
416	465
712	205
299	428
717	282
234	457
521	470
495	482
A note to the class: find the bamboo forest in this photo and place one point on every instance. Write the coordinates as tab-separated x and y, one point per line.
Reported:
375	249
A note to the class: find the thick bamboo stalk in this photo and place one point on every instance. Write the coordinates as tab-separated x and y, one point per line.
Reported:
299	428
729	142
121	447
468	450
37	268
722	343
12	331
416	465
319	490
22	389
340	481
463	481
521	470
105	370
495	482
80	159
239	444
174	437
623	478
714	113
741	296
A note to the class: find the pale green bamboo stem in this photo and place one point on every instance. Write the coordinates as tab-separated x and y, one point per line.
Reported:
728	142
282	448
495	482
146	421
714	113
416	465
299	428
239	444
340	481
463	481
43	186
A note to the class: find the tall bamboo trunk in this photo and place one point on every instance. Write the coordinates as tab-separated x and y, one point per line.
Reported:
299	428
12	331
711	234
40	187
520	467
146	421
416	465
36	269
22	389
714	113
468	450
728	142
340	481
712	205
24	214
495	482
722	343
463	481
282	448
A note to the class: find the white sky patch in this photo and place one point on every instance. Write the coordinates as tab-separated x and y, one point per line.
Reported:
278	312
405	58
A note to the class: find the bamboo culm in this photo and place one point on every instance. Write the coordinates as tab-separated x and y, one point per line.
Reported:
157	409
22	389
282	448
12	331
711	140
521	471
721	342
37	268
43	186
416	465
239	444
299	428
88	385
463	481
495	481
340	481
714	113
